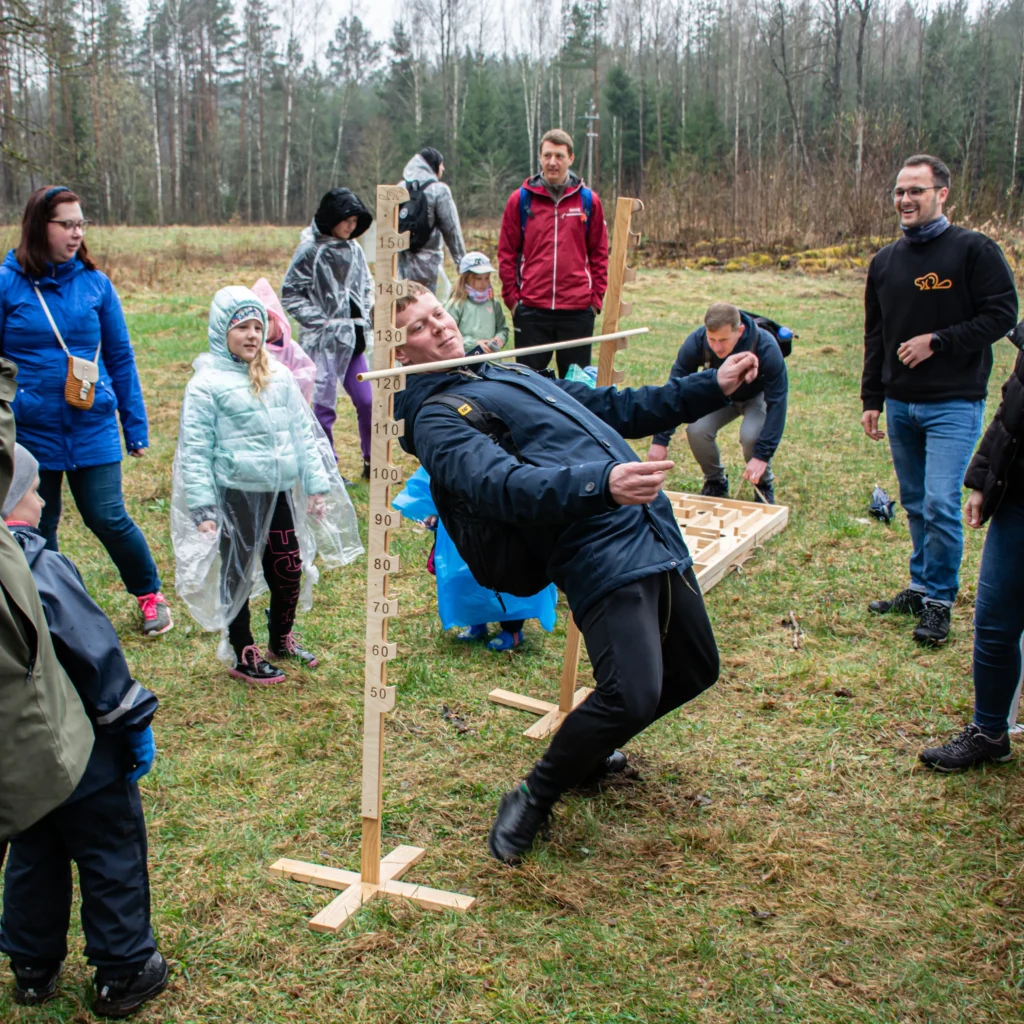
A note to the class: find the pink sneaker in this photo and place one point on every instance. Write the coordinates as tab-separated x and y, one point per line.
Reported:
156	614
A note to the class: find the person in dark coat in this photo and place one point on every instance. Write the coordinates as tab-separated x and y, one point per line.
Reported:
594	515
760	404
101	825
54	304
996	479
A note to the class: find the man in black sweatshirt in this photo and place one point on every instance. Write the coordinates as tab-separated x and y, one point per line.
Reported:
936	301
761	403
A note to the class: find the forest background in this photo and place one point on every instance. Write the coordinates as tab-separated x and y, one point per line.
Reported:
760	123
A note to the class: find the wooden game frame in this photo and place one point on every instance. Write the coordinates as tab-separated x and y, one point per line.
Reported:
377	876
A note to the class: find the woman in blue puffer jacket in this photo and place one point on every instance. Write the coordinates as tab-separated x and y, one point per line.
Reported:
51	261
255	486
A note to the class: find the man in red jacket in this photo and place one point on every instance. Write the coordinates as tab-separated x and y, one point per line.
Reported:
553	257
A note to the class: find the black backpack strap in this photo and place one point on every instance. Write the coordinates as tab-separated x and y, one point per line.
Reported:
479	418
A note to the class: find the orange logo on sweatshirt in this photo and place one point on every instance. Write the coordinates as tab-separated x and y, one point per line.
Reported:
931	283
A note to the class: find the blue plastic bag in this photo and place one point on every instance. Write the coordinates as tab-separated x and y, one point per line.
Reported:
461	601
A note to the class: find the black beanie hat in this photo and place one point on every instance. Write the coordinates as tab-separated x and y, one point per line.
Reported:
337	205
433	157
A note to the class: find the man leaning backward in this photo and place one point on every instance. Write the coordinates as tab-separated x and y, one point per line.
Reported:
594	515
935	302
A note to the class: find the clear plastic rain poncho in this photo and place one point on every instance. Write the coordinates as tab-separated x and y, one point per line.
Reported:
326	277
426	265
237	451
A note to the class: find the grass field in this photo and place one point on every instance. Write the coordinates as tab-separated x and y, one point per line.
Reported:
780	856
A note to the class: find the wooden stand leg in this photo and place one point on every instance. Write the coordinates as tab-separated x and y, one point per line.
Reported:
377	877
618	274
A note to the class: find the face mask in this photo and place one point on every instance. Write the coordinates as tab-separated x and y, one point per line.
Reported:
478	295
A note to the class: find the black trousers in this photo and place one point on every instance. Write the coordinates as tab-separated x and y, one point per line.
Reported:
282	562
652	649
104	833
542	326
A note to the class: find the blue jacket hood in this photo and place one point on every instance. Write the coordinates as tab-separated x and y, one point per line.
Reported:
225	304
56	272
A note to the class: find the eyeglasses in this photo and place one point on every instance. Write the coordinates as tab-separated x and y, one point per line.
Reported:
72	225
915	191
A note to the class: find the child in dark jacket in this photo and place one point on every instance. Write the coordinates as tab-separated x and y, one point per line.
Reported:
101	825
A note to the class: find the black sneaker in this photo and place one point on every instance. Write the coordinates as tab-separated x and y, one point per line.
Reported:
934	625
764	493
972	747
715	488
614	764
120	996
520	818
289	646
906	602
35	985
251	668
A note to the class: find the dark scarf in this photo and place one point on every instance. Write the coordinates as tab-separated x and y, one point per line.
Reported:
926	232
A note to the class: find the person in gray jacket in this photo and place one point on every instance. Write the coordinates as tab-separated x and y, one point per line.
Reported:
424	171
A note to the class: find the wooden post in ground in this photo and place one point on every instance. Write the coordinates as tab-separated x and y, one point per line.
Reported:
552	715
377	877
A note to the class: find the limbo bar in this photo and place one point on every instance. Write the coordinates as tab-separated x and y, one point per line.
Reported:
490	357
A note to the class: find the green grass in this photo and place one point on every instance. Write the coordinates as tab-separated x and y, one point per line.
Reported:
780	858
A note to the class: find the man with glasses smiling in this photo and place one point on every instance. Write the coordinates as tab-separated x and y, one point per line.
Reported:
936	301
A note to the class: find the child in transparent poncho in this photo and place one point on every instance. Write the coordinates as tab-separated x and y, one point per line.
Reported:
256	494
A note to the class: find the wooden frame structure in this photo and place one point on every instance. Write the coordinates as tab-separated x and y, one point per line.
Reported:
552	715
376	876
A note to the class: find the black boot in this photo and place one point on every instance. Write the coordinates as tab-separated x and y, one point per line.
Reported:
366	469
251	667
906	602
288	646
933	628
119	995
36	984
520	818
765	492
715	488
614	764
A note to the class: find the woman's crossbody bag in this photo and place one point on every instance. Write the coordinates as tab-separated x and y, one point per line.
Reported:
79	387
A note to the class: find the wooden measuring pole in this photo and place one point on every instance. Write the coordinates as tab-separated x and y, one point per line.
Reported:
614	308
378	876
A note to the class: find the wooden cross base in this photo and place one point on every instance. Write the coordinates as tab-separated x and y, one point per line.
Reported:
552	714
356	892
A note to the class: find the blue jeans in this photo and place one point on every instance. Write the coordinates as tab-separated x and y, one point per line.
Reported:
999	618
931	444
97	493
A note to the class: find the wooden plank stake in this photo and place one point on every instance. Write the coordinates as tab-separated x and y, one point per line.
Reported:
614	309
377	877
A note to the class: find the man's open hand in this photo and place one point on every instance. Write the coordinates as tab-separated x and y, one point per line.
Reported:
739	368
637	483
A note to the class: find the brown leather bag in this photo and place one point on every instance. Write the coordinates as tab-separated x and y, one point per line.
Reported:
80	384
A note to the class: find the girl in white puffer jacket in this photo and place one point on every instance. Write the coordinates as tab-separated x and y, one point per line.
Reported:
255	485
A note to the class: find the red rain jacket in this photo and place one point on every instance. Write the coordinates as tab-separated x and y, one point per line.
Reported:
560	262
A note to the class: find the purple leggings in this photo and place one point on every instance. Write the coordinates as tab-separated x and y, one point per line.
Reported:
362	398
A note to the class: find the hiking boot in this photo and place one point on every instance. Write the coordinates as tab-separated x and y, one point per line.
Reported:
906	602
505	641
35	985
934	625
251	668
764	493
122	995
972	747
715	488
520	818
289	646
614	764
156	614
471	633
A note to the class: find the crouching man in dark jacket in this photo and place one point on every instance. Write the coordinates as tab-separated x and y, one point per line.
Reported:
594	514
100	826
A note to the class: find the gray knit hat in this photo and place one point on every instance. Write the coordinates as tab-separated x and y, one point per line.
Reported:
25	470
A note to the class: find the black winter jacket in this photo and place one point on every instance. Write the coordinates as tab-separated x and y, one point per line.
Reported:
998	465
88	649
570	437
